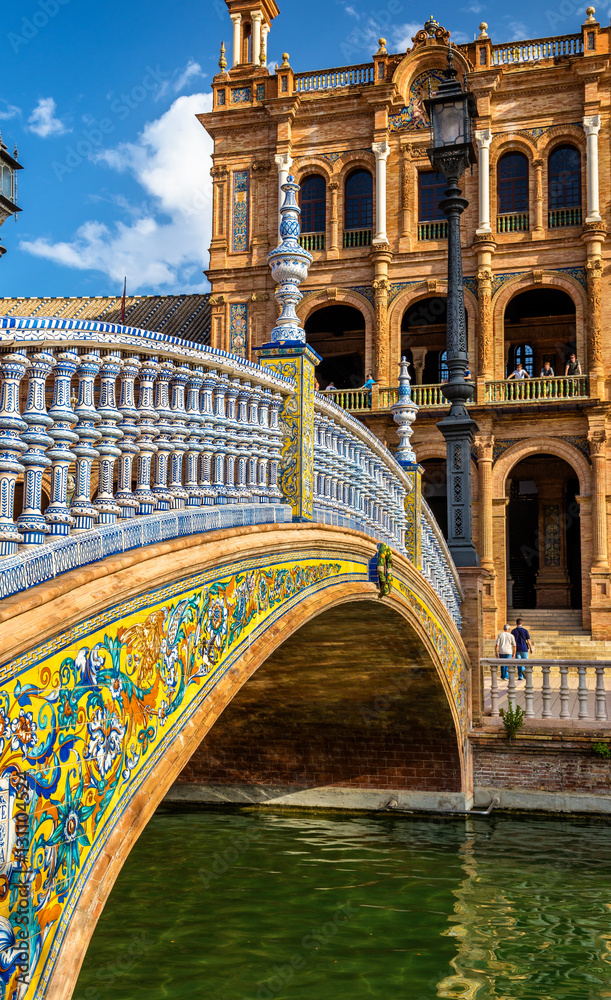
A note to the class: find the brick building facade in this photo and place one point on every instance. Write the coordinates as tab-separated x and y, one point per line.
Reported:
534	257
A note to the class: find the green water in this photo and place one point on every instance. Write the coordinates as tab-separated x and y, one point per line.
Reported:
252	906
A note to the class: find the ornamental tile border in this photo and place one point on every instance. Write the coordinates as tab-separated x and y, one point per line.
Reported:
240	210
238	328
578	273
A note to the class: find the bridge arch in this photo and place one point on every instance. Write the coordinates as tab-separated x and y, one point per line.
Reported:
293	573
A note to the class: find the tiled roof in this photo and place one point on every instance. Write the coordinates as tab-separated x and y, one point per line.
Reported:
185	316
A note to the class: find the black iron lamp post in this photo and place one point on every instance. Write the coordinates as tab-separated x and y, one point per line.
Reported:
450	112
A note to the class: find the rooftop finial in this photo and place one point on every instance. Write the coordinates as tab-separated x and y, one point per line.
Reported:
222	60
382	50
483	30
591	12
285	61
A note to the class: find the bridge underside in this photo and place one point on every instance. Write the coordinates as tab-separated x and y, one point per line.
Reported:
350	700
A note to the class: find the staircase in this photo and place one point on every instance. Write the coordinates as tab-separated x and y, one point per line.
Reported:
556	635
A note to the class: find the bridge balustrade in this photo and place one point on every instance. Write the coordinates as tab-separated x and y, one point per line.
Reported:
437	565
559	689
202	436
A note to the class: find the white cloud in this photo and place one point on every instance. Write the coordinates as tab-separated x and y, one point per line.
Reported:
8	110
402	36
43	122
351	11
191	70
518	31
165	245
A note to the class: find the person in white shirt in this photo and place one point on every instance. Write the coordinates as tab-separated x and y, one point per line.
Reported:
505	648
519	373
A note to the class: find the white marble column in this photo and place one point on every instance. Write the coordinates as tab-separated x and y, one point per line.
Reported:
284	162
237	39
591	124
381	150
263	55
257	18
483	139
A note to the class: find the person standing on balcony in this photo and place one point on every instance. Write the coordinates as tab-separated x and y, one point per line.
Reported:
547	371
370	381
519	373
331	387
573	366
523	645
505	648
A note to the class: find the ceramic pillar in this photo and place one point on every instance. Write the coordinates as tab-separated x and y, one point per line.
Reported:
284	162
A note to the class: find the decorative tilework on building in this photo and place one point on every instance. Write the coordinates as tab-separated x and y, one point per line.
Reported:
501	445
241	95
220	97
551	529
578	273
241	198
414	115
581	443
471	284
238	328
260	91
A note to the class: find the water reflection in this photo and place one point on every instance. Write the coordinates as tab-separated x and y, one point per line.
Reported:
263	906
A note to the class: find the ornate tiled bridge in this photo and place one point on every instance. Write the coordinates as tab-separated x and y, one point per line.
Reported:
155	554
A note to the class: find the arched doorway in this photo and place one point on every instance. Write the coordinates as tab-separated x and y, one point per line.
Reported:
423	339
539	326
328	708
543	534
337	333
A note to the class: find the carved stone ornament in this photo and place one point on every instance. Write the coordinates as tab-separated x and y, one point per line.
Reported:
537	277
431	284
381	285
218	300
595	268
333	185
259	297
261	166
484	274
219	173
332	293
432	29
598	442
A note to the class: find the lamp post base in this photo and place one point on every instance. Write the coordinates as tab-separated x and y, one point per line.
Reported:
459	432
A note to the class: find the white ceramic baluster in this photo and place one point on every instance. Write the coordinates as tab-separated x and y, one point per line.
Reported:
147	418
164	429
81	508
107	507
57	515
264	452
127	444
511	685
253	460
546	693
529	691
494	692
276	404
564	692
233	440
12	370
208	437
218	481
600	696
31	522
243	442
194	443
179	433
582	692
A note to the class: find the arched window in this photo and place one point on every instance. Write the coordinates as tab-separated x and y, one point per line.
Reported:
564	187
359	202
521	354
444	373
432	223
313	204
512	193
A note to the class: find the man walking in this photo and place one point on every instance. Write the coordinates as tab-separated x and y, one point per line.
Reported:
523	645
505	648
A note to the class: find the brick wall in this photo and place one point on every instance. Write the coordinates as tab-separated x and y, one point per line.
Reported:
337	705
557	764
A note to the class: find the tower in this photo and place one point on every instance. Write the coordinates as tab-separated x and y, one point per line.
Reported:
251	25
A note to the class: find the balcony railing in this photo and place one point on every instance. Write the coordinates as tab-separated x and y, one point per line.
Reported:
538	48
357	237
354	400
538	389
564	217
312	241
560	689
327	79
432	230
517	222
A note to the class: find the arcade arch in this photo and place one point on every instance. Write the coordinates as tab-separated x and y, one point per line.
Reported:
341	334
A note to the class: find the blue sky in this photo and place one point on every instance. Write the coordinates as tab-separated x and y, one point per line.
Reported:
100	99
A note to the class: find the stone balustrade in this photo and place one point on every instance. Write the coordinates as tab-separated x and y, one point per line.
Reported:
437	565
536	49
328	79
560	689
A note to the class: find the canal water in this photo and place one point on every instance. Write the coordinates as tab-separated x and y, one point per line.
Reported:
259	905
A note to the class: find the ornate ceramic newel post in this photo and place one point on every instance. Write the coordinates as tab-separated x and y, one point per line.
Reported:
289	355
404	413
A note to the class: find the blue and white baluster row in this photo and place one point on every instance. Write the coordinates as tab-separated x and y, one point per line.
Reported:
195	444
275	447
105	504
12	447
81	508
64	437
127	445
180	433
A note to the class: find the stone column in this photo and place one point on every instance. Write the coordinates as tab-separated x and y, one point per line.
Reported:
483	138
237	39
593	235
538	229
220	176
598	454
406	170
381	337
284	162
334	217
418	358
381	151
263	55
591	124
484	457
257	18
484	247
